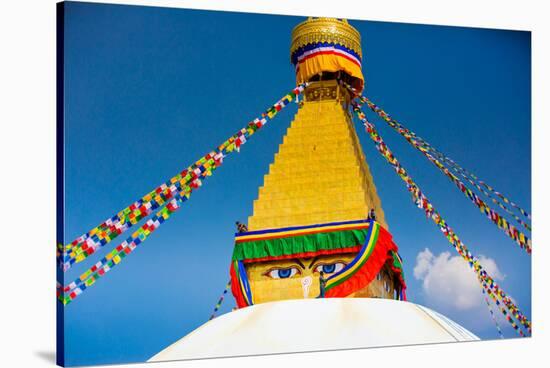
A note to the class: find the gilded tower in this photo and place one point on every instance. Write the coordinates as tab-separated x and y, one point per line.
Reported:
320	173
312	218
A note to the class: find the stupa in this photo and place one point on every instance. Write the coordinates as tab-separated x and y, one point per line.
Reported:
317	211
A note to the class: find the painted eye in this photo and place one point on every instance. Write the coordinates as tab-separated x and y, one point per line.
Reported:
282	273
331	267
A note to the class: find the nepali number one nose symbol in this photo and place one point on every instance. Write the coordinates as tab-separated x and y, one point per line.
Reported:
306	283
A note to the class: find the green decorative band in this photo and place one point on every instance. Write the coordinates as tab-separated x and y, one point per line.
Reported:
298	244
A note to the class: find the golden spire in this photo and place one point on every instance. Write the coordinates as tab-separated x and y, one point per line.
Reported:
320	174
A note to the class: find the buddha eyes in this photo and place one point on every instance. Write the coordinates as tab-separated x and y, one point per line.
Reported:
289	272
330	267
282	273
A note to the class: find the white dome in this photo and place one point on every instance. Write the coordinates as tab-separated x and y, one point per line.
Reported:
313	325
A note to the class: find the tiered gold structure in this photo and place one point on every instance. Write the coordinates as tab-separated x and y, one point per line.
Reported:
319	174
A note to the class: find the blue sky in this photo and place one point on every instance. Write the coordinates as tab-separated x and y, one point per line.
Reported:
150	90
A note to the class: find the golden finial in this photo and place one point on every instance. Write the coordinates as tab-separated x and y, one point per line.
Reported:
332	30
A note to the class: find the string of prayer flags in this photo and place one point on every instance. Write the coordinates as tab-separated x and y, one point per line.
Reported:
497	325
423	203
88	243
427	150
180	188
457	168
506	315
481	190
220	301
519	237
422	145
71	291
180	191
464	172
497	294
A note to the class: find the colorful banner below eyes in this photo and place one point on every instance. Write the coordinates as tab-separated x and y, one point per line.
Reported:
423	203
299	241
179	191
315	58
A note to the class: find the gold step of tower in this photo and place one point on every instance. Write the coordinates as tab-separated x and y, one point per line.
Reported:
319	174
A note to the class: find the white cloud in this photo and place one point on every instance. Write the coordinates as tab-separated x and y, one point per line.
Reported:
449	281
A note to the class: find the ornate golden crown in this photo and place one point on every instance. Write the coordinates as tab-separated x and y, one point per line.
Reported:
334	30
